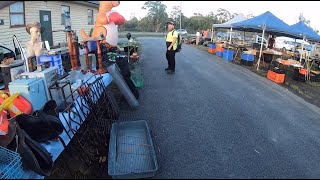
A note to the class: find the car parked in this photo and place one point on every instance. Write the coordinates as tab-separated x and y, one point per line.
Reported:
182	31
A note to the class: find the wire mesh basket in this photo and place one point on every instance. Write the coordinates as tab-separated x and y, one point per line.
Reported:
131	151
10	164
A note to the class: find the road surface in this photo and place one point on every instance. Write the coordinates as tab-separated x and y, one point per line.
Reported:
215	119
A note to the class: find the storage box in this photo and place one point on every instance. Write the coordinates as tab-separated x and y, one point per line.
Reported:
219	48
247	57
212	46
92	46
228	55
218	53
131	151
31	89
212	51
49	58
275	77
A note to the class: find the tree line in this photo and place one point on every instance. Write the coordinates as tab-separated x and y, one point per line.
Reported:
155	20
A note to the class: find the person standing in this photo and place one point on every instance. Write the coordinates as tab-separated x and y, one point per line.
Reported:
272	42
197	37
172	43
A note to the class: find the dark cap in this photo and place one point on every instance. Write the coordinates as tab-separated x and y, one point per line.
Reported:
170	22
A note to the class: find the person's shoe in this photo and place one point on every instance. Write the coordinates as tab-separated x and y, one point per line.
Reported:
170	71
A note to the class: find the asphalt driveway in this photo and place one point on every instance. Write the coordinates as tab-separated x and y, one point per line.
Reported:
214	119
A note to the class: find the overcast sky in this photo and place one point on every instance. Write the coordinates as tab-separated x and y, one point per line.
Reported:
288	11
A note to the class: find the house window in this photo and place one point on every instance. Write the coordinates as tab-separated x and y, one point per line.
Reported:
90	17
16	12
63	10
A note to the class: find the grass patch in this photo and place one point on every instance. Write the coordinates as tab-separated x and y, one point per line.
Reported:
143	35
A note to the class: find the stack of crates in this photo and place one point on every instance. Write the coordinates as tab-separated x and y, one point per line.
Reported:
228	55
219	50
54	60
247	59
212	48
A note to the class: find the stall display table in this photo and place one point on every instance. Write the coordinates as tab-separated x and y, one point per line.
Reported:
56	147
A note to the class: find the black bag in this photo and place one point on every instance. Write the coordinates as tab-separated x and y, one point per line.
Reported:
179	47
34	156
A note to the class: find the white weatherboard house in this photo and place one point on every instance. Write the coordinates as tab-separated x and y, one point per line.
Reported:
15	15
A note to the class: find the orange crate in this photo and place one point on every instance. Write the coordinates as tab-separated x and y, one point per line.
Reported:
219	48
275	77
212	51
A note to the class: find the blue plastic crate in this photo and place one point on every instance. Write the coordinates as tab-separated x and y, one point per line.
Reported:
218	53
10	164
49	58
131	151
228	55
212	46
92	46
247	57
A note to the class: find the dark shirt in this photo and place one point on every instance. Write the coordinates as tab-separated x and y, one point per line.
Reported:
270	43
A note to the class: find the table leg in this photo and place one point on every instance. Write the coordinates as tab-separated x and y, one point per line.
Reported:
86	52
101	70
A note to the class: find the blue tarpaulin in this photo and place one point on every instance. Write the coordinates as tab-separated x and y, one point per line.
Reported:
274	25
303	30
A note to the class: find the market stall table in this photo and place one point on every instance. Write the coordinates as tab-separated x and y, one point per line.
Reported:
273	53
56	147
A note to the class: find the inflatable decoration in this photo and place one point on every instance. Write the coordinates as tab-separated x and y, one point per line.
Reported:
107	22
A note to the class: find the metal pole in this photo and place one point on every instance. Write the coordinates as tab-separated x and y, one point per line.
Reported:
263	29
180	12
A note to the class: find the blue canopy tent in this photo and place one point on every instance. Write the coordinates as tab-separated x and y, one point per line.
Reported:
305	32
266	23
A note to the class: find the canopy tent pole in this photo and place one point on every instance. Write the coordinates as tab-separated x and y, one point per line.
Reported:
244	36
302	46
230	35
263	29
212	34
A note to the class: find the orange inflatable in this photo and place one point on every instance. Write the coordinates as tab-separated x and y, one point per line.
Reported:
106	23
21	103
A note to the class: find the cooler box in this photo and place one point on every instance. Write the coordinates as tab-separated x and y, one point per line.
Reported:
228	55
31	89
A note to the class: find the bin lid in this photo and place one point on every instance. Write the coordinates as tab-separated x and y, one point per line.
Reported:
23	81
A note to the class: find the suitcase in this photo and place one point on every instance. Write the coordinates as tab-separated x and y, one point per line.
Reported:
31	89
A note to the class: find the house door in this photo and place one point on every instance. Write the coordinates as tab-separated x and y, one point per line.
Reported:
45	20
